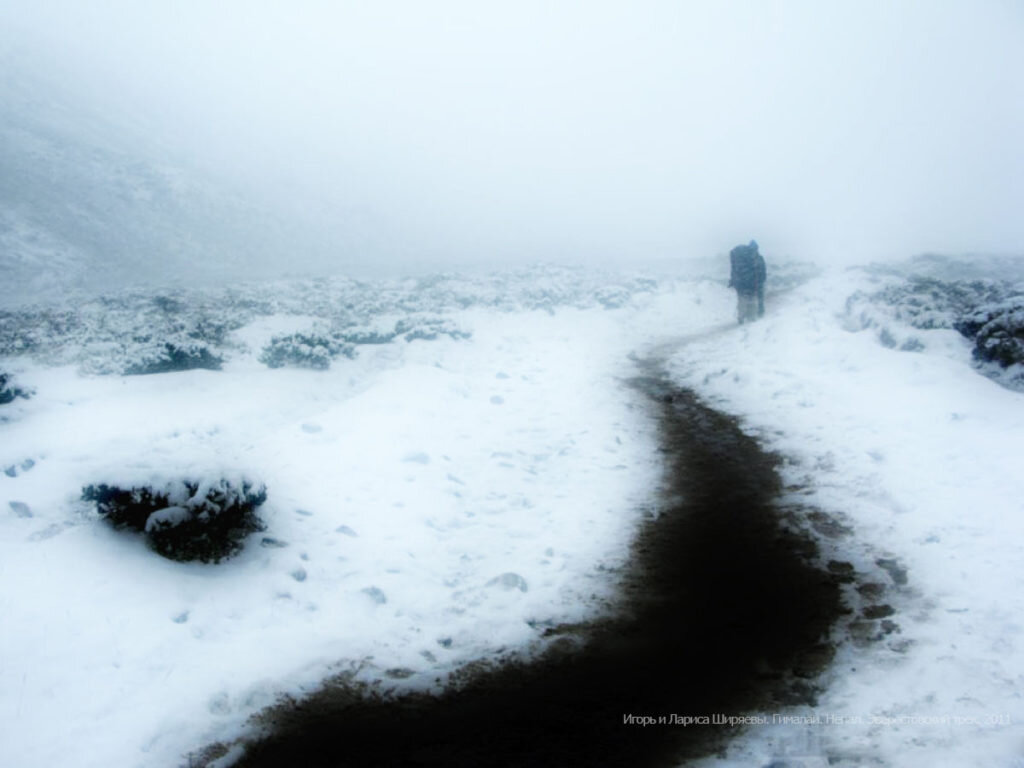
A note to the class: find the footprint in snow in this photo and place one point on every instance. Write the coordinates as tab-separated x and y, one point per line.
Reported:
15	469
20	508
50	531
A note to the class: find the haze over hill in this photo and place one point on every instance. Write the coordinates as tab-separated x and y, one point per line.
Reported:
185	141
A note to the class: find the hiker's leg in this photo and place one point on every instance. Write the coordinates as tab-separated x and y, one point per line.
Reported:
747	308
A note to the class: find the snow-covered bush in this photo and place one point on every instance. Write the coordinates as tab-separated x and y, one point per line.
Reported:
998	331
367	334
613	297
429	328
922	302
131	333
305	350
185	519
167	357
989	313
8	391
157	331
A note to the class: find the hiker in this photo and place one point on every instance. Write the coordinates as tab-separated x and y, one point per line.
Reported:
747	277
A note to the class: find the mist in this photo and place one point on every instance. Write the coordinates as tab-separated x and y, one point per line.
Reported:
400	135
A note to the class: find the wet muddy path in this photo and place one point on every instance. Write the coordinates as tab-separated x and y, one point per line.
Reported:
724	611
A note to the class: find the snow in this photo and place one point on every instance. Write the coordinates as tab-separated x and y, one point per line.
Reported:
432	502
920	455
435	498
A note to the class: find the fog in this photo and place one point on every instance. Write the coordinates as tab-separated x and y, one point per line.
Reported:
402	134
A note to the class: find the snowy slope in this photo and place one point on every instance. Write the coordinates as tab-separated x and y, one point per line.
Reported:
90	201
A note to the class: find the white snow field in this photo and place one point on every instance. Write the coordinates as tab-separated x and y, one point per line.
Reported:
435	501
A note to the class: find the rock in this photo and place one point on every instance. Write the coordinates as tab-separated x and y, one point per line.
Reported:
896	572
842	571
889	626
345	530
871	590
376	594
270	542
878	611
299	574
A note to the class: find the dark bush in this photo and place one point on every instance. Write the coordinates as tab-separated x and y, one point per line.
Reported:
300	350
174	357
185	520
998	331
8	392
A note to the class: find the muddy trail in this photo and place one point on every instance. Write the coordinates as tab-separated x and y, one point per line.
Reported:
723	611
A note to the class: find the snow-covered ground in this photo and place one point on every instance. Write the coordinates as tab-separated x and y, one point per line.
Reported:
921	457
434	501
438	499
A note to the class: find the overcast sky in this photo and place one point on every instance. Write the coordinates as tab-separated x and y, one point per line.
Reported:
579	130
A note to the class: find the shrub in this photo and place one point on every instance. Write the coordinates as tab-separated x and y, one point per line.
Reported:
184	520
8	392
428	328
922	302
174	357
366	335
998	332
305	350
